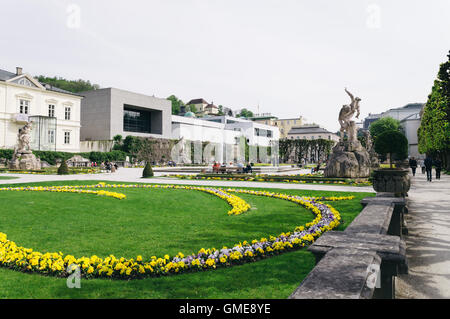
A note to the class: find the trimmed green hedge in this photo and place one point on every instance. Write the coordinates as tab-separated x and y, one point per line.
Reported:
51	156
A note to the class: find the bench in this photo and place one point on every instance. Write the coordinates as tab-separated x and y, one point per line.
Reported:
376	231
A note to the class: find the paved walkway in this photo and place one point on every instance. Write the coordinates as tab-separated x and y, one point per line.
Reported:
428	241
133	175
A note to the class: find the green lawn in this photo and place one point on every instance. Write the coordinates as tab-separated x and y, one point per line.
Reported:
7	177
156	222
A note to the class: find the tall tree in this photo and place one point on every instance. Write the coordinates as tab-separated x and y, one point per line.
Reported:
176	104
434	130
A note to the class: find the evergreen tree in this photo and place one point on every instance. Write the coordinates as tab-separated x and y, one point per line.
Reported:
148	171
63	169
434	130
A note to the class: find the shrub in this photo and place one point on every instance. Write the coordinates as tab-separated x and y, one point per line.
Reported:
63	169
52	156
148	171
382	125
393	143
6	154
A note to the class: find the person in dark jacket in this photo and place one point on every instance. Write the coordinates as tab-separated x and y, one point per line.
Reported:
428	167
438	168
413	165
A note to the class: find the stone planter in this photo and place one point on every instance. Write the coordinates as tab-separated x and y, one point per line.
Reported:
395	181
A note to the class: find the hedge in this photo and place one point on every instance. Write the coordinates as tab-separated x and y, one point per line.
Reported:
51	156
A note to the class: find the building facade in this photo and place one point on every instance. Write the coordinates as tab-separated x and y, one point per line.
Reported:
284	125
55	113
108	112
409	126
409	117
311	132
224	134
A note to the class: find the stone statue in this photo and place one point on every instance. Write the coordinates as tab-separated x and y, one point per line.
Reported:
345	115
25	138
23	158
349	158
368	140
369	147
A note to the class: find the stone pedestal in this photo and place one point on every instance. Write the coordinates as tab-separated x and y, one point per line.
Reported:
349	159
396	181
24	159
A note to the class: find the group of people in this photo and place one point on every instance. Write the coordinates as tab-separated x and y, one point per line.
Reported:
426	166
108	166
222	168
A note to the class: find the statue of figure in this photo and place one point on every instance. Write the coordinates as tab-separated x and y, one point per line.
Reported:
25	138
368	140
345	116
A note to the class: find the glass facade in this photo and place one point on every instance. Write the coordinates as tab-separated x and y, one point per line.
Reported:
136	120
43	133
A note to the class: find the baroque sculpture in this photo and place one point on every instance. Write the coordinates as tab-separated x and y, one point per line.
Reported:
349	159
23	157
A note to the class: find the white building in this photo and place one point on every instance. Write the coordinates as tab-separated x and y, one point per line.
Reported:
410	125
311	132
55	113
409	117
225	134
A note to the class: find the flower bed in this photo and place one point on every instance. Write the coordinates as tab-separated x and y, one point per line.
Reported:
25	259
295	179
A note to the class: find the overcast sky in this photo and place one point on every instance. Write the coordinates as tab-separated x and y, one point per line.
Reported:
291	57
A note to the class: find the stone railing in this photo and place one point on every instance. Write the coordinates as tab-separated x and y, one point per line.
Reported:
362	261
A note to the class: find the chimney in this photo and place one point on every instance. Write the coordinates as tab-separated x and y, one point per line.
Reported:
18	70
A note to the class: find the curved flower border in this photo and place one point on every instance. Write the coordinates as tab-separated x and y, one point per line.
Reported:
56	264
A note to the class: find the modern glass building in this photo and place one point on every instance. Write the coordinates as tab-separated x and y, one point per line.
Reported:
110	112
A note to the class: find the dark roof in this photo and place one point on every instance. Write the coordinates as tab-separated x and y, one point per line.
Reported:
5	75
307	130
409	106
210	106
49	87
197	101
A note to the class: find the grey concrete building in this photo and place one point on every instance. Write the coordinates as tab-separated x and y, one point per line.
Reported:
108	112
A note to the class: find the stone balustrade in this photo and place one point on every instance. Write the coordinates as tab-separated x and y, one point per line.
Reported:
362	261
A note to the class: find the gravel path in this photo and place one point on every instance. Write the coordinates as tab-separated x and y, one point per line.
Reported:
134	175
428	241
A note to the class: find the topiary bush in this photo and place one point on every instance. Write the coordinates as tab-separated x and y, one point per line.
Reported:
393	143
63	169
148	171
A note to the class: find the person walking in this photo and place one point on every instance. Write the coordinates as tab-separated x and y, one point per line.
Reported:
438	168
413	165
422	165
428	167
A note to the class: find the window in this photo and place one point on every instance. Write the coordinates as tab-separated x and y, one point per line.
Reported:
25	81
51	136
24	106
51	110
67	113
66	137
136	121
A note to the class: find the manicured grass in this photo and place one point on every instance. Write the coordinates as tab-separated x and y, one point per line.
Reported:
155	222
7	177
